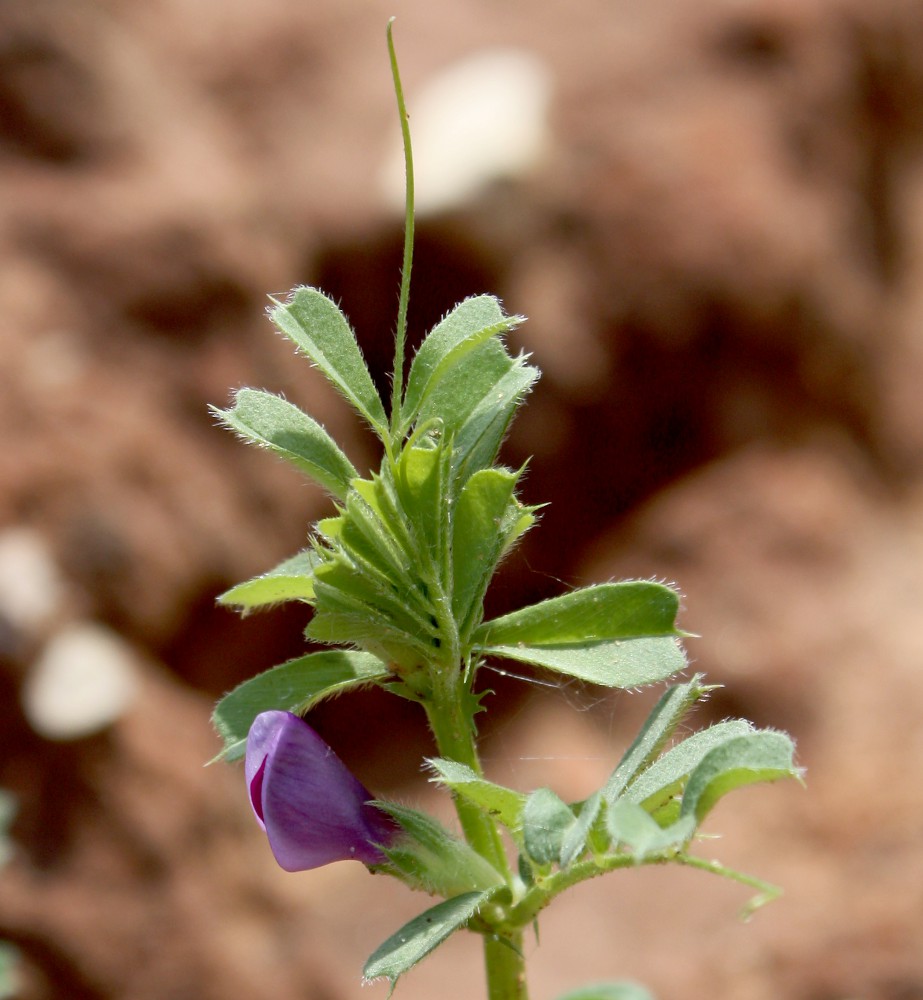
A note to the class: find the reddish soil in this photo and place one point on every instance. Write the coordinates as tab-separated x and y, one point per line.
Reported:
721	255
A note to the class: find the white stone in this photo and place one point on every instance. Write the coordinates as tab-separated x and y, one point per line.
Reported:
32	590
483	119
82	681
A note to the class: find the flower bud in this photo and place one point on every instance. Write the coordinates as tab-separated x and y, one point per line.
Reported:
313	809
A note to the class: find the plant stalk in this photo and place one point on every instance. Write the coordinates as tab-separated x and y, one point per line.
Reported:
449	709
453	730
506	968
454	733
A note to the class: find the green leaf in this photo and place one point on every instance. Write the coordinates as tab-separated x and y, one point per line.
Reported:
359	612
479	438
351	587
422	485
319	329
621	663
388	531
372	633
623	990
364	533
432	859
657	788
516	522
274	423
8	809
634	828
293	686
477	539
463	329
416	939
10	984
765	755
670	710
545	820
460	390
291	580
392	509
375	531
355	602
574	841
502	803
629	610
475	402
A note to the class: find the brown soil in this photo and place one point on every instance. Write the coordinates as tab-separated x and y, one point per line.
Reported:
721	255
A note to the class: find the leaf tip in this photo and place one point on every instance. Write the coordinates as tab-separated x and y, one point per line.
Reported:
374	980
757	902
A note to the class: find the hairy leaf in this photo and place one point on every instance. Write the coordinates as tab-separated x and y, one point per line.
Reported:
574	841
478	440
291	580
433	859
504	804
634	828
621	663
657	788
744	760
422	484
416	939
317	326
629	610
667	714
475	401
349	587
477	542
364	533
545	822
293	686
274	423
469	324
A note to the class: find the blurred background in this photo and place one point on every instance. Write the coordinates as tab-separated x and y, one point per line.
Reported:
712	213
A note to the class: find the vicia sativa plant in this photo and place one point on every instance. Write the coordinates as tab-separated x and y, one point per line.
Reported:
396	578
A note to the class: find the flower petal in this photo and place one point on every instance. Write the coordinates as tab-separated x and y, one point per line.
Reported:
313	809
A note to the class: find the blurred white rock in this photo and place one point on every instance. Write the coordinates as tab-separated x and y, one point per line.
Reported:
81	682
32	590
481	120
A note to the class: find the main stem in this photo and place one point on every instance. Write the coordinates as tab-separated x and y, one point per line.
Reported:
447	709
506	968
454	732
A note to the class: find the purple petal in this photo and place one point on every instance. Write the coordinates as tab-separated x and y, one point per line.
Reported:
312	808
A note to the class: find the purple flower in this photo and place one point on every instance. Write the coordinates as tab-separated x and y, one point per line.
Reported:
312	808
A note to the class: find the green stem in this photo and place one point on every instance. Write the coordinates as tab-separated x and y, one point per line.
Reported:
453	729
397	386
766	890
506	968
541	894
